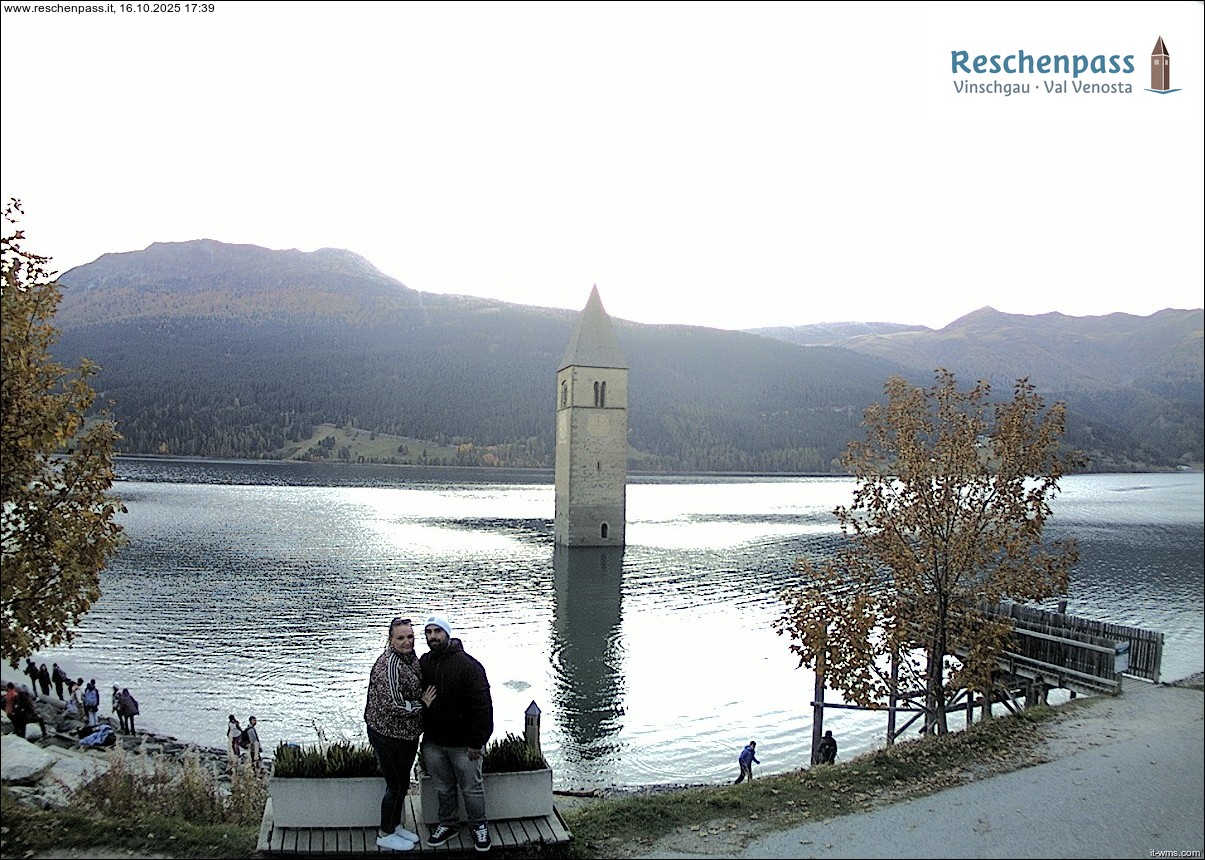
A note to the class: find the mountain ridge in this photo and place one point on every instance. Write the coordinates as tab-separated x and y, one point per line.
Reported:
210	349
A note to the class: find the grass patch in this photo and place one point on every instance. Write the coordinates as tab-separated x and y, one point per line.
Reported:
29	830
146	804
735	814
119	815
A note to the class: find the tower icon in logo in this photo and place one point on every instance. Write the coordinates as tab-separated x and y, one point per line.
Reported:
1160	68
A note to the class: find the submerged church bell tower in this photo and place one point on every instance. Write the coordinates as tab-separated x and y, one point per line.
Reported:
592	434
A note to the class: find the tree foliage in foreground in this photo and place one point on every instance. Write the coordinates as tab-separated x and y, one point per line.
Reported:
58	528
954	492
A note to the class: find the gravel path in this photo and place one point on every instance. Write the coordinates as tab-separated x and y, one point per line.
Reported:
1123	779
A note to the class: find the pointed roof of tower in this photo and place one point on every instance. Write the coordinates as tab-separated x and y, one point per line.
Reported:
1160	49
593	343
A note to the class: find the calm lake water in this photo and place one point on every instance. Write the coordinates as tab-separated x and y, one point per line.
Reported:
266	588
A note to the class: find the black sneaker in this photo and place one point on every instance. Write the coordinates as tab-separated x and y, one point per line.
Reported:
481	837
440	835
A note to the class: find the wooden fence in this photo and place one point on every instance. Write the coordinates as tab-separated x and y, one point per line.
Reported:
1083	646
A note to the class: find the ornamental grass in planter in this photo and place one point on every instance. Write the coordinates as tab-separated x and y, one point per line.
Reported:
340	759
511	753
518	783
328	785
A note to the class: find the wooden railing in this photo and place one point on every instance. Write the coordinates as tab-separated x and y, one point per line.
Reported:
1077	653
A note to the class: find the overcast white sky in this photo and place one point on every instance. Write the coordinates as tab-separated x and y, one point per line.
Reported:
728	165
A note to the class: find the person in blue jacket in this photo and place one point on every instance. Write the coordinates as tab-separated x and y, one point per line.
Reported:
747	759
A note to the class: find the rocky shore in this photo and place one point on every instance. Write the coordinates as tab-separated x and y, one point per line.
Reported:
44	770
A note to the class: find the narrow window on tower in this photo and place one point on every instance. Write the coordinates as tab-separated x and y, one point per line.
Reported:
602	395
564	393
602	532
595	393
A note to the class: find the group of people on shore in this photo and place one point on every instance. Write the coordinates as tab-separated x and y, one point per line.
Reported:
442	697
826	753
240	740
80	700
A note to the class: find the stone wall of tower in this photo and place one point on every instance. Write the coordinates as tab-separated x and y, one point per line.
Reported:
591	457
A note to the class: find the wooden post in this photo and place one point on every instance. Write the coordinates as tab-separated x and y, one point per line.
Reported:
531	727
893	695
818	705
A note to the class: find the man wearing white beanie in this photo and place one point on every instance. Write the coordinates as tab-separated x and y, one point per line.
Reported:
456	726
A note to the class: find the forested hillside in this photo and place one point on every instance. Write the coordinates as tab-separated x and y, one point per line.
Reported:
220	350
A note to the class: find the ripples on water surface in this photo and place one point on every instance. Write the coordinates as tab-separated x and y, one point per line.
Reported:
265	588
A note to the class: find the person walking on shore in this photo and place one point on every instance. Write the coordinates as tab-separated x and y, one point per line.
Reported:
31	669
58	677
75	705
115	698
393	713
44	680
456	726
25	712
234	732
127	709
746	760
253	744
826	752
10	698
91	701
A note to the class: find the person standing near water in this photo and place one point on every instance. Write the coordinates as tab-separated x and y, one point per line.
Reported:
458	725
127	709
827	751
746	760
393	714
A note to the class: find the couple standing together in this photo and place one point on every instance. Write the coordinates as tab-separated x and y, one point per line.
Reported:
443	696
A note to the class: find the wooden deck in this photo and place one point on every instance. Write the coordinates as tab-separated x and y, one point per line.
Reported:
510	833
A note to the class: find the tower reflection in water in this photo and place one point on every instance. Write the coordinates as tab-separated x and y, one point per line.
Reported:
587	653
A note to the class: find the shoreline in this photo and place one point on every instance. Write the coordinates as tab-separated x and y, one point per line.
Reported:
1111	777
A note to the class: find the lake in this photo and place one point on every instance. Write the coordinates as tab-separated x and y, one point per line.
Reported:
266	588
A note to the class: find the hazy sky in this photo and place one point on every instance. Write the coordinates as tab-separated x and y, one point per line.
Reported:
728	165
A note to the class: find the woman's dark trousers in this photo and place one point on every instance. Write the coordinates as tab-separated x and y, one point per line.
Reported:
395	756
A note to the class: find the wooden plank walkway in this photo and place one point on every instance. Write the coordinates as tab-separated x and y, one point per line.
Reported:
509	833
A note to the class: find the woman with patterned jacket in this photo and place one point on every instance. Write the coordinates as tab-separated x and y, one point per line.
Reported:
394	716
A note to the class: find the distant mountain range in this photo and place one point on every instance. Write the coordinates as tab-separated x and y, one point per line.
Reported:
217	350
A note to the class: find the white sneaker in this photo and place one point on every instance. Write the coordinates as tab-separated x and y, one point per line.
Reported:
393	842
405	834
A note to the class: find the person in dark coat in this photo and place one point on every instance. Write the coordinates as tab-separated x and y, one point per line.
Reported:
44	680
127	709
456	726
827	751
31	669
25	712
58	677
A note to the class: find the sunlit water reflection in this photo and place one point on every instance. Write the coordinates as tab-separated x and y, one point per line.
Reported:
265	588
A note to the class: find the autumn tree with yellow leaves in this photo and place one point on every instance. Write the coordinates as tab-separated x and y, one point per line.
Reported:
58	519
946	522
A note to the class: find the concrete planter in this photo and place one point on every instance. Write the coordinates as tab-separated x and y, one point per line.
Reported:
323	802
515	794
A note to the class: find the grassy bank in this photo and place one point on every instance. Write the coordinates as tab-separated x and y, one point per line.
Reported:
734	814
119	819
144	805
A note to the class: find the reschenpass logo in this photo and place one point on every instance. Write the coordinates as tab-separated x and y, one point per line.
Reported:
1022	63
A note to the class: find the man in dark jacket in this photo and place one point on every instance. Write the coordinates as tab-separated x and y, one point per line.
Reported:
456	726
58	677
31	669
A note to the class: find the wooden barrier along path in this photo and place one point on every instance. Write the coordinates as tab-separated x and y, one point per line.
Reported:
508	833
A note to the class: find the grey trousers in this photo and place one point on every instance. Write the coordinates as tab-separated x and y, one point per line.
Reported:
452	772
